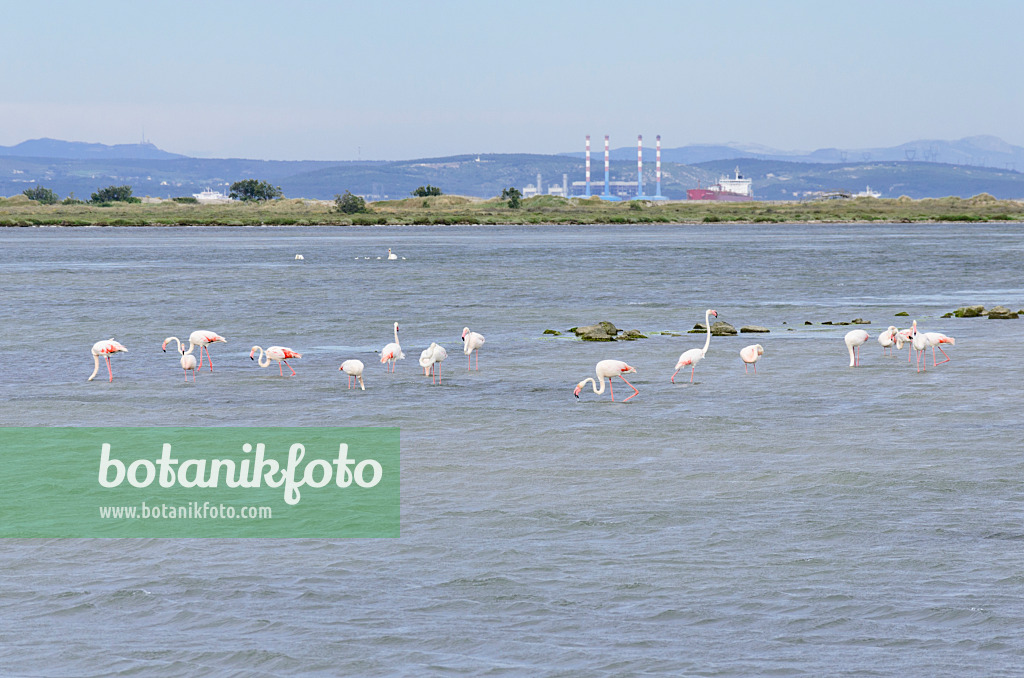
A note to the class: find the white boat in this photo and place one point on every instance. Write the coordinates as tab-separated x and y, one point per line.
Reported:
209	194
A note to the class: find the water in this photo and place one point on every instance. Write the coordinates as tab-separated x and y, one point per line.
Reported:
812	520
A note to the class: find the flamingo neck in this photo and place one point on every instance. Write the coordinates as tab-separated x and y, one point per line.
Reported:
260	361
853	359
96	366
593	385
707	323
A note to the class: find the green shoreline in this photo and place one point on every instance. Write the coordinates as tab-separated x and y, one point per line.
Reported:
18	211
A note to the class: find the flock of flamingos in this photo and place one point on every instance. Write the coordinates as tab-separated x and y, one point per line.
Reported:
472	341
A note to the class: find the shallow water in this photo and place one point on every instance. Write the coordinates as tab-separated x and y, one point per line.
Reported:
810	520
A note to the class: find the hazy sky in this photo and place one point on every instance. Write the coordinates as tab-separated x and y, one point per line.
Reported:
378	79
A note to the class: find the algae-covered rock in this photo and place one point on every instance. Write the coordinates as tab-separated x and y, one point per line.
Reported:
1001	313
554	332
631	335
753	328
860	321
720	328
602	331
902	314
970	311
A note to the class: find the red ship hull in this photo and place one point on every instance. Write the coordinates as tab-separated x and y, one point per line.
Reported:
710	194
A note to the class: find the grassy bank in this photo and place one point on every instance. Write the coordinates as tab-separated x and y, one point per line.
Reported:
19	211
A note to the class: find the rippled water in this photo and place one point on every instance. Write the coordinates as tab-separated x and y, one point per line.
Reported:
810	520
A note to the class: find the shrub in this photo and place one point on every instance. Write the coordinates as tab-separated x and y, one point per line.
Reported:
41	195
186	200
349	204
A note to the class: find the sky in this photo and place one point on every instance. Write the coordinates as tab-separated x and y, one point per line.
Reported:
388	80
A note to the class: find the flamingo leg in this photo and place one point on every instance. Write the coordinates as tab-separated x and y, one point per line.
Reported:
692	368
611	389
940	351
755	368
289	367
744	368
635	391
109	371
478	359
208	358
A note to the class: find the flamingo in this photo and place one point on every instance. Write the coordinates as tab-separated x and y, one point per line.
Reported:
609	369
106	347
188	361
695	355
202	339
919	343
905	337
854	340
354	369
888	338
750	356
391	255
392	352
279	354
935	340
432	355
472	341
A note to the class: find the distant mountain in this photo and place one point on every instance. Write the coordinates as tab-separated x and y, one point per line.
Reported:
78	150
977	151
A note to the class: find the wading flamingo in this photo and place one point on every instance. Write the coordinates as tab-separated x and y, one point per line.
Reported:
203	339
392	352
278	354
432	355
935	340
905	337
695	355
188	361
854	340
106	348
750	356
608	369
472	341
919	342
887	339
354	370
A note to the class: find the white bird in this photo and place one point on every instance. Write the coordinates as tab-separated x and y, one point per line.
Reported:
432	355
854	340
202	339
920	343
695	355
188	361
935	340
354	370
299	257
888	338
606	369
105	348
279	354
472	341
392	352
391	255
750	355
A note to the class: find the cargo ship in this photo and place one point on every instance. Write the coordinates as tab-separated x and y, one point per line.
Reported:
736	189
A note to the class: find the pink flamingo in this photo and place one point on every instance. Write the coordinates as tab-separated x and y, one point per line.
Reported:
905	337
472	341
279	354
750	356
609	369
354	370
888	338
392	352
854	340
106	348
695	355
188	361
432	355
935	340
919	343
202	339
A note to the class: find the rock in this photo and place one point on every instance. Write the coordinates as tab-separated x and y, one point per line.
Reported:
754	328
827	322
631	335
554	332
902	314
720	328
947	315
808	322
602	331
860	321
969	311
1001	313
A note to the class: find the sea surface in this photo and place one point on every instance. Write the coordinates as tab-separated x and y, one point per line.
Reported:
810	520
